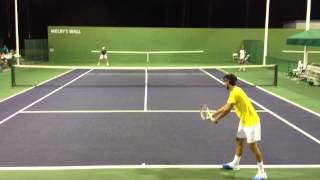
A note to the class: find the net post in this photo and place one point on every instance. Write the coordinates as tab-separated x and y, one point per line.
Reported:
275	81
13	76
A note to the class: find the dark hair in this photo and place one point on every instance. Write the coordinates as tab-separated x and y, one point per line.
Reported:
231	78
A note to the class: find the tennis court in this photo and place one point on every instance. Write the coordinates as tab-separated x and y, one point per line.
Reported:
146	120
124	90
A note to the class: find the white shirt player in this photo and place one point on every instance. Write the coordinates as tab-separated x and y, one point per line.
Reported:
242	54
242	59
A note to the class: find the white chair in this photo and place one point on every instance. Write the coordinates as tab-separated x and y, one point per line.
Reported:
235	57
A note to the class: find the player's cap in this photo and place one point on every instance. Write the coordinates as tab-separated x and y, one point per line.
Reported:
231	78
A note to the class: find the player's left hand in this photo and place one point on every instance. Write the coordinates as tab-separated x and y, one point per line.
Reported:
214	120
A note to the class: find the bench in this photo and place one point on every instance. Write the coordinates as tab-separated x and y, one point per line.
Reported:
312	74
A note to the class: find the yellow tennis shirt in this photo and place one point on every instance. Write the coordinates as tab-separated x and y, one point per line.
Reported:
243	107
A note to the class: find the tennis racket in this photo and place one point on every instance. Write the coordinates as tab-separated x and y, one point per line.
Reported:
205	113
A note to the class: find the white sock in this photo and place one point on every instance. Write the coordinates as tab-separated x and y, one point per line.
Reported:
236	160
260	167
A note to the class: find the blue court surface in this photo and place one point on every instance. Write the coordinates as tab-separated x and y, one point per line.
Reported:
109	117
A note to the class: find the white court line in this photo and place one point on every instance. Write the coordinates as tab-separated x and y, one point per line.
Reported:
145	106
42	98
28	89
97	167
300	52
149	52
140	74
287	100
271	112
117	111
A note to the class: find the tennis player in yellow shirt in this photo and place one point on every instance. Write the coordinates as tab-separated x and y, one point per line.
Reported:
249	126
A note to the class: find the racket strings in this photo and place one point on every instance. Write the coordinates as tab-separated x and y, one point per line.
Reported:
205	112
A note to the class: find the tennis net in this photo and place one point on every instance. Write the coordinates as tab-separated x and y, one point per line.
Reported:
86	76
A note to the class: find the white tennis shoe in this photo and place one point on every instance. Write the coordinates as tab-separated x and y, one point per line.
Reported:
260	176
231	166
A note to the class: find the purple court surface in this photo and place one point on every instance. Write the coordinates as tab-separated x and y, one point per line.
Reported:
110	117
